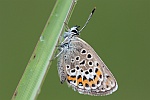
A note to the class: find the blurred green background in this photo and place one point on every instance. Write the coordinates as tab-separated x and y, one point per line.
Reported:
119	32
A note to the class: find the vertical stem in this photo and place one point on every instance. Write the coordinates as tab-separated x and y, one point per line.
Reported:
31	81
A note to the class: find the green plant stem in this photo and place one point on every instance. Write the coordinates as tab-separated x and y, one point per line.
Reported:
31	81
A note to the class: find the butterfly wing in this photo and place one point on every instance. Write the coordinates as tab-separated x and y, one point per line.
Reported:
84	70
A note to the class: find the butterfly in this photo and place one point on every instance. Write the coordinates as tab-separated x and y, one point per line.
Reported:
81	67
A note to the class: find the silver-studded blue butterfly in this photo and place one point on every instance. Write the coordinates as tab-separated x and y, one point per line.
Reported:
81	67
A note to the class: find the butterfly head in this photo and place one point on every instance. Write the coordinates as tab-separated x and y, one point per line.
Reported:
72	32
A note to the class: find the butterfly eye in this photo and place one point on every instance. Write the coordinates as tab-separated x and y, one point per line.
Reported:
74	31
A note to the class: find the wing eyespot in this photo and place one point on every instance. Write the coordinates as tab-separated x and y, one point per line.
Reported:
72	60
82	62
77	67
77	58
83	51
89	56
90	63
90	70
68	66
86	72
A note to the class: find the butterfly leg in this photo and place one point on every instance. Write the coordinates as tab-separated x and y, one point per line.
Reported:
61	70
59	53
60	48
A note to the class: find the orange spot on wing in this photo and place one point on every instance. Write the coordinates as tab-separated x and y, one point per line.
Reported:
85	81
71	78
90	83
96	79
79	80
107	83
98	73
99	66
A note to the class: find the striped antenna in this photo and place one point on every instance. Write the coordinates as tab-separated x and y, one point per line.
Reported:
90	16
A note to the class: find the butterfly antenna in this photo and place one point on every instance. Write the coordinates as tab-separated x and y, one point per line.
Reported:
90	16
66	25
